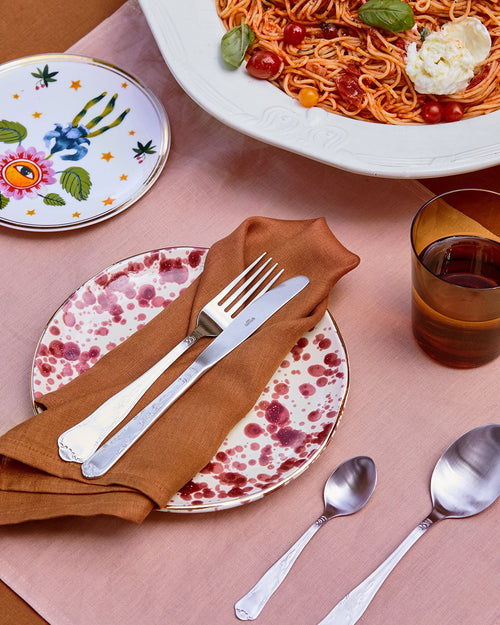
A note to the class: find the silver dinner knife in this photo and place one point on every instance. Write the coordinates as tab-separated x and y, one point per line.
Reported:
242	327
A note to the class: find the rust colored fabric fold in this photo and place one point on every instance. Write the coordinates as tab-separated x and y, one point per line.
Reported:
36	484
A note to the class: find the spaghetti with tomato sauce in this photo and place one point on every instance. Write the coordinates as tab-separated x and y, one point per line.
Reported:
359	70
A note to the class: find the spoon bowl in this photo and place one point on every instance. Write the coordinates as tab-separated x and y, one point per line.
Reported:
346	491
349	487
465	481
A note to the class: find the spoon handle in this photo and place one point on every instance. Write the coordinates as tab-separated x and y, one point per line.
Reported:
250	606
354	604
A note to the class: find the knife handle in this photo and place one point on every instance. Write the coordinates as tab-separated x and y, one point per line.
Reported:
104	458
81	441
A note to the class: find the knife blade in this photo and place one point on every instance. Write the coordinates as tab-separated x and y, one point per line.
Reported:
241	328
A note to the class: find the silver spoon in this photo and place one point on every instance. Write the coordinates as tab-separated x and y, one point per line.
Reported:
465	481
346	491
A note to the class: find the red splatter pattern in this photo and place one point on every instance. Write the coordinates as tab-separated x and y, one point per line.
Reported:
291	422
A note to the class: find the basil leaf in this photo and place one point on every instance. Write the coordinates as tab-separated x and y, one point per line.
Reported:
424	33
235	43
392	15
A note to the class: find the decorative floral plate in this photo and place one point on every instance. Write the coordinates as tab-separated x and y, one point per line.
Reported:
80	141
289	426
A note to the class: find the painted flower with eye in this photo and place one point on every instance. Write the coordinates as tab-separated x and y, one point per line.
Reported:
24	173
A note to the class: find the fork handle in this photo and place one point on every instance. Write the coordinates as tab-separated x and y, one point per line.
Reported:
80	442
106	456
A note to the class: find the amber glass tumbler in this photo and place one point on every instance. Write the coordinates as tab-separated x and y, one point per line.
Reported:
455	240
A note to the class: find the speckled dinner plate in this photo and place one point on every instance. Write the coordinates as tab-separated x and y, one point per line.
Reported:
290	424
80	141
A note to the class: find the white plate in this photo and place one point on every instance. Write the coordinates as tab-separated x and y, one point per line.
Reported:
61	166
188	33
289	426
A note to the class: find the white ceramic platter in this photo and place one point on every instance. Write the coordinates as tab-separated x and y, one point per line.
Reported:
80	141
188	33
289	426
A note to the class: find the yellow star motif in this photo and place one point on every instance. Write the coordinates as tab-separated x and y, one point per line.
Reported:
75	84
124	85
107	156
16	96
76	215
30	212
124	177
37	115
108	201
131	132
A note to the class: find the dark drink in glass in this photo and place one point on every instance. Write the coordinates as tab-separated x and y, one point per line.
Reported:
456	281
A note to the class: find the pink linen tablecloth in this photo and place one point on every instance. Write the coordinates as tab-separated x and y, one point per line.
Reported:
402	410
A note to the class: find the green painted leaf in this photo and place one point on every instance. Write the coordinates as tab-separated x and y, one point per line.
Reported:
76	182
45	75
149	147
12	132
53	199
3	201
392	15
144	149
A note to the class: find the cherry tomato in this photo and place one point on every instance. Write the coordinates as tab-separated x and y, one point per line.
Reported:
328	30
479	76
353	69
348	87
400	43
453	111
264	65
308	96
432	112
294	33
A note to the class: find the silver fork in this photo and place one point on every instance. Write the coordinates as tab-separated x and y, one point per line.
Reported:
81	441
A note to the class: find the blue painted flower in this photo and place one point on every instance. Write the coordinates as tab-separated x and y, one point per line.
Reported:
68	138
77	137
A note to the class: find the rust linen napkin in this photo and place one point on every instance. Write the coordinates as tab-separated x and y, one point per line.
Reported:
35	483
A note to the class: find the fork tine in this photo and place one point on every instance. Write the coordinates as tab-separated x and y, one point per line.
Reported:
247	282
252	290
234	296
232	284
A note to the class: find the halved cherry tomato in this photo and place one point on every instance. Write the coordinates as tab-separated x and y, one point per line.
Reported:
294	33
328	30
348	87
432	112
453	111
264	65
353	69
479	76
308	97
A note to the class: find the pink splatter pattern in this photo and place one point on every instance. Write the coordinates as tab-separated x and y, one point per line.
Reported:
291	423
